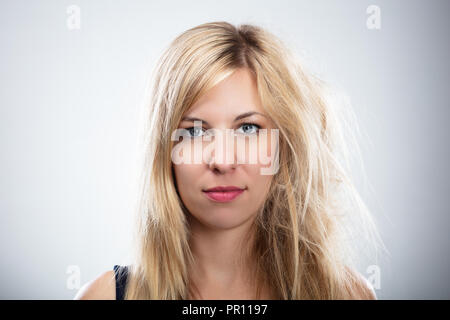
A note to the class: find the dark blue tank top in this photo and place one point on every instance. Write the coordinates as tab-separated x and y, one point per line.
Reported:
121	275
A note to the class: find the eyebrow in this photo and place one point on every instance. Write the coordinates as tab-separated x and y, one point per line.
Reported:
239	117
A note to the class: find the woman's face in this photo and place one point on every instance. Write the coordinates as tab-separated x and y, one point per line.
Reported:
225	161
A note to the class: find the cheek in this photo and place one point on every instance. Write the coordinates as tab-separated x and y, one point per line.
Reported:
259	184
259	150
185	177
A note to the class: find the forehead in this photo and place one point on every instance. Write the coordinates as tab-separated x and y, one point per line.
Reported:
233	95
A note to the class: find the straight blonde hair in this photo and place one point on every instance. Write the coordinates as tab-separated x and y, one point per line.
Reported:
302	245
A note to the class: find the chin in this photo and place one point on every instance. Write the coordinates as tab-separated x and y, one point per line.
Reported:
223	219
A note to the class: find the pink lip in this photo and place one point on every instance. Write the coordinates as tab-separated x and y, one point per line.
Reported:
223	194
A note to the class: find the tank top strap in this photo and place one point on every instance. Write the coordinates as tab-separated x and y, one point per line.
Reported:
121	275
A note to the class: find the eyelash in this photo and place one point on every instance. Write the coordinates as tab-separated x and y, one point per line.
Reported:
244	124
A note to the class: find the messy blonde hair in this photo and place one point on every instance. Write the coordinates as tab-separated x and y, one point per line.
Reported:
303	238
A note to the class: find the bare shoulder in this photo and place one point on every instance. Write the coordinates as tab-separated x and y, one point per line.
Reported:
363	287
101	288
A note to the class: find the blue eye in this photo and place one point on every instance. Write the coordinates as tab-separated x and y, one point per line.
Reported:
193	133
250	128
247	128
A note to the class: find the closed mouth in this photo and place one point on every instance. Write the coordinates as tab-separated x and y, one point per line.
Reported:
223	194
224	189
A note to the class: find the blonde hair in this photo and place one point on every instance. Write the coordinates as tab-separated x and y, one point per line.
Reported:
303	238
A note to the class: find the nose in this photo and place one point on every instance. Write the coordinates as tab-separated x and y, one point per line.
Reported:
223	156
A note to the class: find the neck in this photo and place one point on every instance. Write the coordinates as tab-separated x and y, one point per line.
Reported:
221	255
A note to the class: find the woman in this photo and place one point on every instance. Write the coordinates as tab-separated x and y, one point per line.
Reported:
281	234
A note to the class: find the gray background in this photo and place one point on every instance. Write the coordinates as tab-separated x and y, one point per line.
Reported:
70	109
